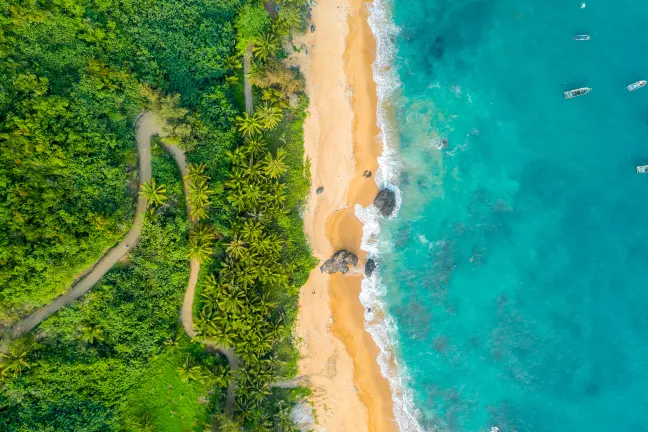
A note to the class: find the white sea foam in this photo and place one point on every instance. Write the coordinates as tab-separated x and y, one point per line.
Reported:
382	327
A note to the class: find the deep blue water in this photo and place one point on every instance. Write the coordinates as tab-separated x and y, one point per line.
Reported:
517	267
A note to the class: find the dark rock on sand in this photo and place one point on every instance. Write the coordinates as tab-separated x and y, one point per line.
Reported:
319	190
339	263
386	202
370	266
350	259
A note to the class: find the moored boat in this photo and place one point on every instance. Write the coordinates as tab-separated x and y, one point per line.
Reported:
577	92
582	37
636	85
642	169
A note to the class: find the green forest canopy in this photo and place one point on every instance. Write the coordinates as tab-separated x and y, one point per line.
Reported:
73	76
70	73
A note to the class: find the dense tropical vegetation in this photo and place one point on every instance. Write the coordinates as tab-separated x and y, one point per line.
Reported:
73	76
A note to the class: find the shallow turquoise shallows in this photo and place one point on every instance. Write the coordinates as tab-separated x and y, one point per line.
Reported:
517	266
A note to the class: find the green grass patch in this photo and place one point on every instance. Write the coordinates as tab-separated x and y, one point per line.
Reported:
238	92
171	404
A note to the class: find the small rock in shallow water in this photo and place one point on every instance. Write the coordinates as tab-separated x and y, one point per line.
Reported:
319	190
370	266
386	202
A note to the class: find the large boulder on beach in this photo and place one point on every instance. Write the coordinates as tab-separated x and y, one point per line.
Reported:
386	202
340	262
369	268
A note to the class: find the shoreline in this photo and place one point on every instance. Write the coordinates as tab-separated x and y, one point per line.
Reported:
341	137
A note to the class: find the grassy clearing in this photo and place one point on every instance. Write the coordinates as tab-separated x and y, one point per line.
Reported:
171	405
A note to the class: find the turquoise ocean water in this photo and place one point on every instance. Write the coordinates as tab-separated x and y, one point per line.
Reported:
515	272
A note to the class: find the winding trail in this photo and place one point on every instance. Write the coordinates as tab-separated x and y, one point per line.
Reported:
146	127
152	126
186	313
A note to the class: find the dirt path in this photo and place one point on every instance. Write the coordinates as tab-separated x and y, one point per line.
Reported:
146	127
186	313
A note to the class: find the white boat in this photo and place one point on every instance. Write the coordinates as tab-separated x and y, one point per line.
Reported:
577	92
582	37
636	85
642	169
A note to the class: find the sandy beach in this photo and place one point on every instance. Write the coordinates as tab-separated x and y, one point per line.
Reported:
337	354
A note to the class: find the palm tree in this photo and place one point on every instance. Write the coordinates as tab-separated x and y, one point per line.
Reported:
234	63
223	337
276	167
199	194
210	283
251	231
200	243
220	375
256	73
262	422
232	80
244	405
252	192
211	303
198	211
203	232
258	391
237	200
253	172
170	107
224	424
282	420
274	97
14	362
263	304
265	46
91	334
154	194
249	125
200	249
288	18
269	115
237	157
232	301
199	191
173	342
144	424
237	247
189	371
196	172
254	146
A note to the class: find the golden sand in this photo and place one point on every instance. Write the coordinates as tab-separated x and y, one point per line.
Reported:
337	354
